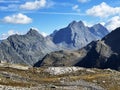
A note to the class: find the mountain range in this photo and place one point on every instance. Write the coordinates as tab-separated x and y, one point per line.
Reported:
32	48
104	53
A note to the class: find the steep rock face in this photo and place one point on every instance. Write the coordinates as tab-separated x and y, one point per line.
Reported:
98	30
103	53
25	49
96	56
109	53
77	35
113	40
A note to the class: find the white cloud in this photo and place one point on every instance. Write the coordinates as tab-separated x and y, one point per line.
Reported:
9	33
113	23
44	34
17	19
37	4
102	23
76	8
83	1
103	10
89	24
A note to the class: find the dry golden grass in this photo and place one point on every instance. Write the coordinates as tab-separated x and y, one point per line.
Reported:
89	77
36	76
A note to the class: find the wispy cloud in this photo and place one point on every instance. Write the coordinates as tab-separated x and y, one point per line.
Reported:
63	13
76	8
10	7
83	1
9	1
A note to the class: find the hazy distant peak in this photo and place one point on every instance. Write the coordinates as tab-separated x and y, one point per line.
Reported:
98	25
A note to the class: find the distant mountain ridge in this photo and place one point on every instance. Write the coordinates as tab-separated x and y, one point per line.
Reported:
32	47
76	35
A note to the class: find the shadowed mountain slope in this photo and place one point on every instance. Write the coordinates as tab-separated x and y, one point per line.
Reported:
103	53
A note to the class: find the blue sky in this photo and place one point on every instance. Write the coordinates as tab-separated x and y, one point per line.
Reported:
18	16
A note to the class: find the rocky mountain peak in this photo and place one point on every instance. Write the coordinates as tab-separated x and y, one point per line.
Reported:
98	26
72	23
75	23
81	23
33	32
99	30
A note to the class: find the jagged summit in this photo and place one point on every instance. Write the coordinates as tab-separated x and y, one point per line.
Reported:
72	23
75	23
33	32
81	23
98	24
99	30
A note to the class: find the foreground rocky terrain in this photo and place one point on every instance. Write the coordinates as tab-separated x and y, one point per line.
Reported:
19	77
